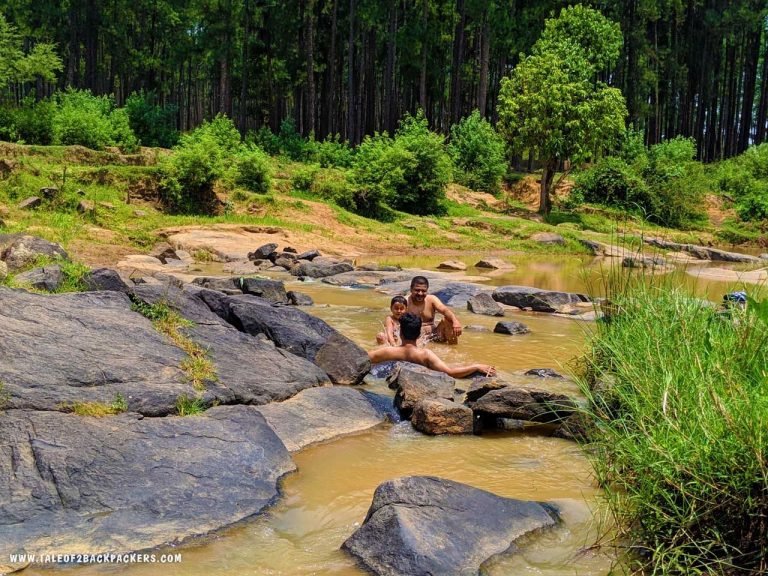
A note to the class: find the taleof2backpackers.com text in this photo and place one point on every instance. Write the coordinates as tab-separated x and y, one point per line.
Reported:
131	558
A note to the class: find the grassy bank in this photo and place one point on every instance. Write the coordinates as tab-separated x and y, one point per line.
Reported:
679	401
124	213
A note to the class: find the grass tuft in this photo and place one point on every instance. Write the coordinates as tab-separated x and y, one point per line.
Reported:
186	406
678	396
99	409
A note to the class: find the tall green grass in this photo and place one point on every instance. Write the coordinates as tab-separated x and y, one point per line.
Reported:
678	395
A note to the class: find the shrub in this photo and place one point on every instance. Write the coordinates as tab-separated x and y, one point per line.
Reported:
332	152
188	176
408	173
753	203
154	125
478	153
303	178
332	184
290	141
82	118
253	170
677	181
612	182
264	139
34	121
122	134
220	133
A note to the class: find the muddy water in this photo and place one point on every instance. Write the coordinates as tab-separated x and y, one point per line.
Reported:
328	497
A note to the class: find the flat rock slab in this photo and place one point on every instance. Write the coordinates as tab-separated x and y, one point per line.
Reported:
321	414
367	278
702	252
85	347
423	525
71	484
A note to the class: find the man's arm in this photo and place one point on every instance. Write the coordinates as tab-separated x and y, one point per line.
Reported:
447	312
434	362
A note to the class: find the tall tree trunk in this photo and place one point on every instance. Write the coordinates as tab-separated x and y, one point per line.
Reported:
547	177
752	56
244	78
351	80
330	102
762	108
458	61
485	49
423	56
390	96
309	39
369	88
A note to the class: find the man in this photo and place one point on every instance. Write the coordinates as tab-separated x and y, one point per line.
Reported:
425	305
410	329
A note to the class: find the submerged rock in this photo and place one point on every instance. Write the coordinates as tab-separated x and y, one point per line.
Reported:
526	404
511	328
483	303
440	416
427	525
536	299
72	484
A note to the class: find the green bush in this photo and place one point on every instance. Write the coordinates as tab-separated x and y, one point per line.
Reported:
332	184
332	152
407	173
34	121
264	139
122	134
253	170
291	142
82	118
220	133
678	183
478	153
154	125
753	203
612	182
303	178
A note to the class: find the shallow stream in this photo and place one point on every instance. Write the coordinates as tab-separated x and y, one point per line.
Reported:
325	501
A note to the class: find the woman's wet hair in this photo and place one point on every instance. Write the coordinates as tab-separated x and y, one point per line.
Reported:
410	326
398	300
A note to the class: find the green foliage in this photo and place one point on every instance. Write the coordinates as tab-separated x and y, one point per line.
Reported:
264	139
744	180
408	173
17	66
612	182
677	182
154	125
331	152
332	184
552	103
221	133
201	157
478	153
253	170
91	121
74	274
30	122
677	393
303	177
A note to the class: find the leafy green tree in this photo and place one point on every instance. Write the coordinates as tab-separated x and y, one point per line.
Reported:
17	66
553	104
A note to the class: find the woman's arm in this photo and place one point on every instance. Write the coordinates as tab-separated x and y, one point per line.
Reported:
390	326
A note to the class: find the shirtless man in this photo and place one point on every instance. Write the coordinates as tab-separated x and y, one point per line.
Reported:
425	305
410	329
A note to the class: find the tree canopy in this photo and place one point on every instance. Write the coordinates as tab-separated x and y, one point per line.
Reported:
551	102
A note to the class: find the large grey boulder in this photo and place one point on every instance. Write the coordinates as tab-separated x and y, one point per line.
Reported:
320	270
511	328
365	278
230	285
702	252
272	290
412	384
456	293
483	303
72	484
262	252
537	299
528	404
26	250
320	414
249	371
296	332
85	347
422	525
